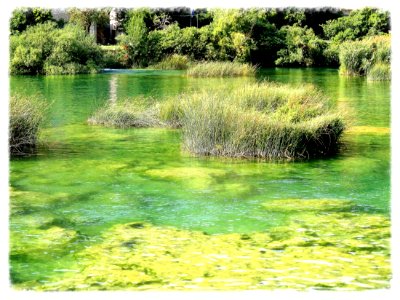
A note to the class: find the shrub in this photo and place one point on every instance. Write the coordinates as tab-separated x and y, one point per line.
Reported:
221	69
26	115
267	121
128	113
172	62
114	57
74	52
45	49
302	47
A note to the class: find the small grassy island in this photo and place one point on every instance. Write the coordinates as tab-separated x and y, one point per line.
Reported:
263	120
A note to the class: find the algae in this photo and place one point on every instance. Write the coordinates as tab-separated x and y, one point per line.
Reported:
193	177
368	130
37	242
329	250
299	205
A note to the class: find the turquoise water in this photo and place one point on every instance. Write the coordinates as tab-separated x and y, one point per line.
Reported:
88	178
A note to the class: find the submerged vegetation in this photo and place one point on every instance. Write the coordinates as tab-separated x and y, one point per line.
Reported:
26	116
261	120
328	249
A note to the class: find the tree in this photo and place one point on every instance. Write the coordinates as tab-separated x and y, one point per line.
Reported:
360	23
24	17
303	47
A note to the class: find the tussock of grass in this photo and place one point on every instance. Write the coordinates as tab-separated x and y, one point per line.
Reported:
221	69
379	72
266	120
26	115
134	113
172	62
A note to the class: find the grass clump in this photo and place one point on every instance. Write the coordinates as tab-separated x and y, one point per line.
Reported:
368	57
26	116
264	120
261	120
133	113
221	69
379	72
172	62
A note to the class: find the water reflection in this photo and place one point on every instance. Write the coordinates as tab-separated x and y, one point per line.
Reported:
113	83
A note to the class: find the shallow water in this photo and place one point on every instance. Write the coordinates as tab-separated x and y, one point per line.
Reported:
87	179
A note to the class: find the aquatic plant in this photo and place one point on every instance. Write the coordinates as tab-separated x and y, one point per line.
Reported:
379	71
327	250
360	58
26	116
129	113
172	62
312	205
221	69
262	120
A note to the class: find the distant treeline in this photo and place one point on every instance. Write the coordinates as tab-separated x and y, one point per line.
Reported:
261	36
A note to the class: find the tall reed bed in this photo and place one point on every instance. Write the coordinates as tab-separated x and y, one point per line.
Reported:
172	62
26	116
221	69
262	120
368	57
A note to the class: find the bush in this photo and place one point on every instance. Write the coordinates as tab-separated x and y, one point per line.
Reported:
26	115
266	121
44	49
114	57
221	69
302	47
129	113
172	62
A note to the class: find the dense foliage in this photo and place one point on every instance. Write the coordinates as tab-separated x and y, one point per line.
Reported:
260	36
45	49
24	17
266	37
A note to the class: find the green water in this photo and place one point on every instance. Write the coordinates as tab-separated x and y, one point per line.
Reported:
87	179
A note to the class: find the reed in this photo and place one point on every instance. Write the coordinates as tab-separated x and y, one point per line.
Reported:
221	69
379	72
26	116
172	62
359	58
262	120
